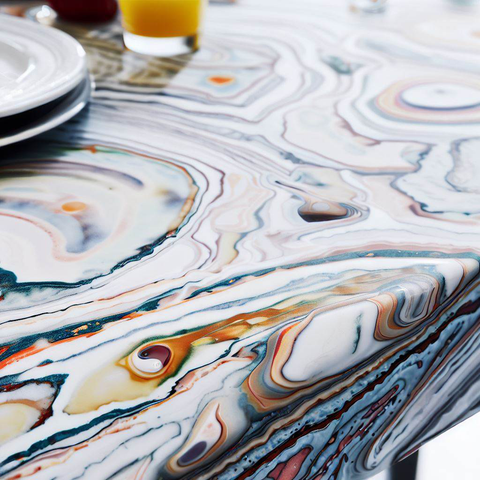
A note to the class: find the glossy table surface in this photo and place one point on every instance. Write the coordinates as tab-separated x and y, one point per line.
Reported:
260	261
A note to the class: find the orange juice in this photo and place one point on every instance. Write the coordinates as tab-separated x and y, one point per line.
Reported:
162	18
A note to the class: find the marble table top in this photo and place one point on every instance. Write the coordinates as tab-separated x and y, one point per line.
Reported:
260	261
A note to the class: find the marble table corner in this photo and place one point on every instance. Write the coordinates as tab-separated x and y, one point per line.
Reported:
259	261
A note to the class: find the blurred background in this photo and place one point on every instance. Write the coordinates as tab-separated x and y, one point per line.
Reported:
451	456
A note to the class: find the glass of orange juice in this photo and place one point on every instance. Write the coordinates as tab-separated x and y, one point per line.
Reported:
162	27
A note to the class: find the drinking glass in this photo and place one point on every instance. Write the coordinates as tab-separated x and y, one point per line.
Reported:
85	10
162	27
368	6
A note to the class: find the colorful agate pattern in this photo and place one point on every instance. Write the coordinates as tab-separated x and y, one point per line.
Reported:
257	262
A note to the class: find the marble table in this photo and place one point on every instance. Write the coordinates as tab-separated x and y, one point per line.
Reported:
260	261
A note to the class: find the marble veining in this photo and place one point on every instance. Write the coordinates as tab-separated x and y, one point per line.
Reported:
258	262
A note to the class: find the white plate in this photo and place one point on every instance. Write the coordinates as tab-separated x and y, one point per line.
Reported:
37	64
48	116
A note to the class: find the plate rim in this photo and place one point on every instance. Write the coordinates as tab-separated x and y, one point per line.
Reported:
57	117
73	78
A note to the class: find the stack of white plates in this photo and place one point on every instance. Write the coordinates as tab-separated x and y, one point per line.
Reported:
43	78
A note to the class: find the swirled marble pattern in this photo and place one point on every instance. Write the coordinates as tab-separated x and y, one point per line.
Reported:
261	261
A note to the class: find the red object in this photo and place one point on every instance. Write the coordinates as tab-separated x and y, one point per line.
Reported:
85	10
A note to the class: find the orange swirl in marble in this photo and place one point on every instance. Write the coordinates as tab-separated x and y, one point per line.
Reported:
88	210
